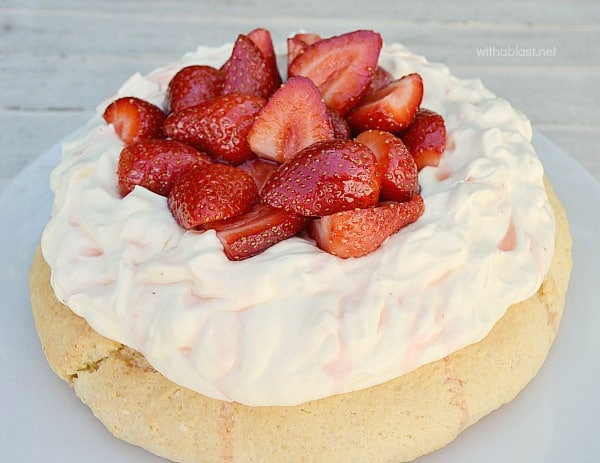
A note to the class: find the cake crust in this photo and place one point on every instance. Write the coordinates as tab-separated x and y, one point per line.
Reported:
397	421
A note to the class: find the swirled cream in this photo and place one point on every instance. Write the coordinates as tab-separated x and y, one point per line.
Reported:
295	323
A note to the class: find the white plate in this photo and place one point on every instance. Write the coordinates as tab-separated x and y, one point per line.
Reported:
554	420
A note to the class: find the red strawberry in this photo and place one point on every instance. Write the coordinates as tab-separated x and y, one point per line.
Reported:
249	71
399	179
426	138
220	126
341	66
262	39
193	85
293	118
260	170
391	108
298	43
295	47
155	164
341	129
251	233
325	177
358	232
214	192
134	118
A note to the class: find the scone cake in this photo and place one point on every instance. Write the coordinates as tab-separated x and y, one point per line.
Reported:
330	250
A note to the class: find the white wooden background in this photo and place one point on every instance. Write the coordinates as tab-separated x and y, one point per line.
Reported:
59	58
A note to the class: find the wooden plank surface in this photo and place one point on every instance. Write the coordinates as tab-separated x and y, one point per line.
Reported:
59	58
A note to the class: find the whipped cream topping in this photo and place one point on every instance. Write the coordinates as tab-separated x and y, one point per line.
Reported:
294	323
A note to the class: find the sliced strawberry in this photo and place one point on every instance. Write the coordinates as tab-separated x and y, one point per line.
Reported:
391	108
295	47
134	119
426	138
381	78
399	177
260	170
250	234
250	72
293	118
341	66
214	192
325	177
298	43
155	164
262	39
193	85
358	232
219	127
341	129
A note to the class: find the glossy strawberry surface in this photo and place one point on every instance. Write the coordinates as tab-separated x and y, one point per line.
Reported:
426	138
156	164
134	119
219	127
249	71
251	233
399	176
214	192
357	232
194	85
326	177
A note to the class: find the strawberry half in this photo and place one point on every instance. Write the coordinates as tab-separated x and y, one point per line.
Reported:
193	85
219	127
134	119
214	192
251	233
325	177
155	164
341	66
391	108
426	138
262	39
399	176
295	47
358	232
293	118
250	72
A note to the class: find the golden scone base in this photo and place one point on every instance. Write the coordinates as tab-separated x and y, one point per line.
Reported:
396	421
